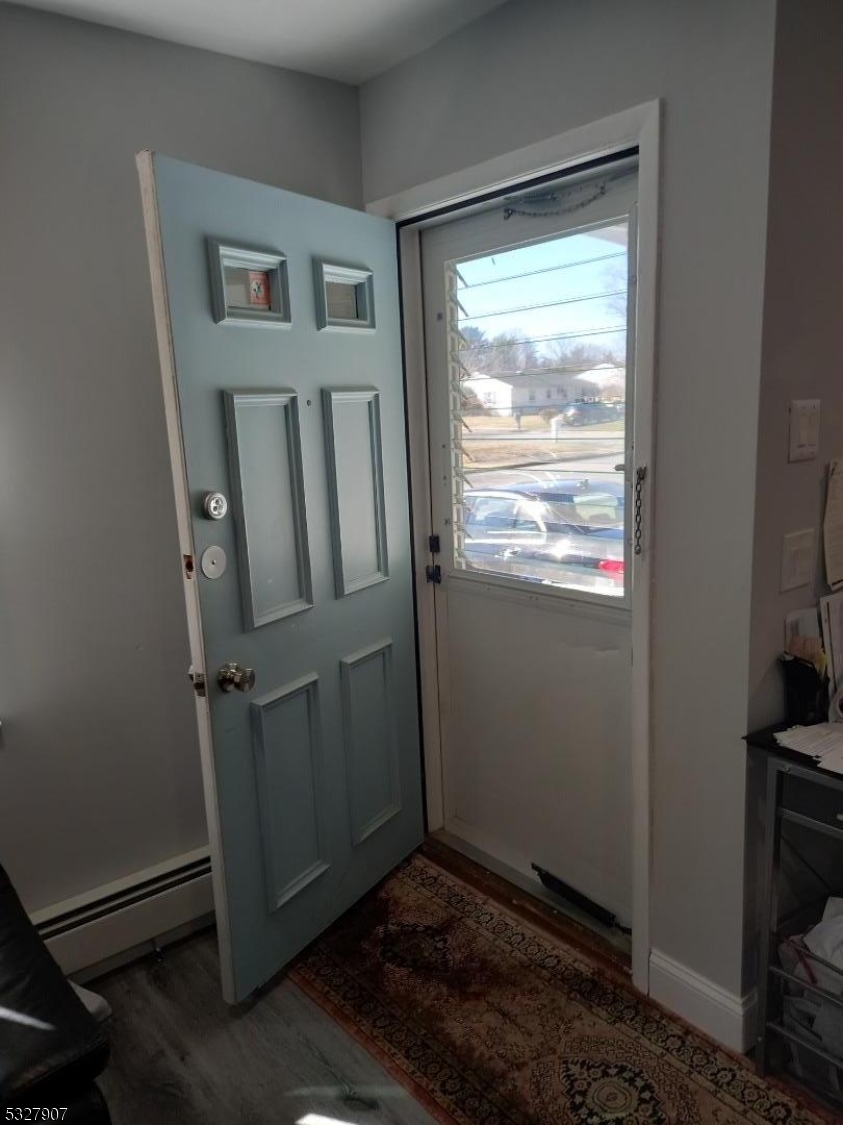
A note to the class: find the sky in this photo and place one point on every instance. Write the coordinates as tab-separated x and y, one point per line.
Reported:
560	272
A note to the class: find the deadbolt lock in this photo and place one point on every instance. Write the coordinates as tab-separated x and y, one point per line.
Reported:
214	505
233	677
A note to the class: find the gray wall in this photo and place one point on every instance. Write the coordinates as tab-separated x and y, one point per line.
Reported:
99	766
802	354
803	342
539	67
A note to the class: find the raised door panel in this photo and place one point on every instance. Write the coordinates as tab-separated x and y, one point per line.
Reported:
355	481
268	493
288	773
370	742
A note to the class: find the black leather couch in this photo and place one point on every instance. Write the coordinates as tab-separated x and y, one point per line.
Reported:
52	1066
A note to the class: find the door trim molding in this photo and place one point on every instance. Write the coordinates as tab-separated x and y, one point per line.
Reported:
167	364
639	126
605	137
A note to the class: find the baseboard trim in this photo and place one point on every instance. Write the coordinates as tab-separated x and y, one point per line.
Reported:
151	946
139	910
726	1017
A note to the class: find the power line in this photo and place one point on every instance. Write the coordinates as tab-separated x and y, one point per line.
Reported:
549	304
535	273
545	339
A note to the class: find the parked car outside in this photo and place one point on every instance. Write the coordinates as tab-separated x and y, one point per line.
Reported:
591	413
566	533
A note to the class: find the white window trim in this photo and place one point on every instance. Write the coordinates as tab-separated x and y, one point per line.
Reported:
638	126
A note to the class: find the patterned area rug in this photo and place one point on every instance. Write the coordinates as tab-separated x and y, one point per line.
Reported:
490	1021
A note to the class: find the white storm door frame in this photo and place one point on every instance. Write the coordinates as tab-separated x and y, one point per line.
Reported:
638	127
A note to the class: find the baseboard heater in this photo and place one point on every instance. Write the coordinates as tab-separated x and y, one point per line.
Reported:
133	895
576	898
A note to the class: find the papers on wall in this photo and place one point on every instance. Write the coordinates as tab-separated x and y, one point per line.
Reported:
822	742
833	526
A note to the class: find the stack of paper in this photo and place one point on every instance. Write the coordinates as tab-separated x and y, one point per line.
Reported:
833	525
831	613
822	742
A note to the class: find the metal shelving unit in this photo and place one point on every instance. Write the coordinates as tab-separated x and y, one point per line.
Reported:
801	794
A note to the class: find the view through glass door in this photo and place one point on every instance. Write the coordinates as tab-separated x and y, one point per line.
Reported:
528	319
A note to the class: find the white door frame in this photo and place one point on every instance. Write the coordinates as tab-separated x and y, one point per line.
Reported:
181	492
639	126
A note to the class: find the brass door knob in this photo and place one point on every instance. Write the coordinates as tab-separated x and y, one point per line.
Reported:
232	677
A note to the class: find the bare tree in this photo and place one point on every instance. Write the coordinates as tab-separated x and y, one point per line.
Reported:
616	282
473	351
574	357
506	353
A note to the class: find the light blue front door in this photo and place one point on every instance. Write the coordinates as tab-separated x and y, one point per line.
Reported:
284	355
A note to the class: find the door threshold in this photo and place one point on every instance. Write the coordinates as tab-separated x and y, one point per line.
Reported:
529	899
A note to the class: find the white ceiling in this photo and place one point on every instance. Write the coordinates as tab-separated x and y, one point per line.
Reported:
350	40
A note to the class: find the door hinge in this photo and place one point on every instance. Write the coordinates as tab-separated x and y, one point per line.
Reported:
433	544
434	574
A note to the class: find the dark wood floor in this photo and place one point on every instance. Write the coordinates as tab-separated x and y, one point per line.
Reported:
180	1056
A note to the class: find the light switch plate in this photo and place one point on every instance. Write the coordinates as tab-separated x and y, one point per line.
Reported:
799	558
804	429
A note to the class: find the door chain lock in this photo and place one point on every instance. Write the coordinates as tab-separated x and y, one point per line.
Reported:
638	534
